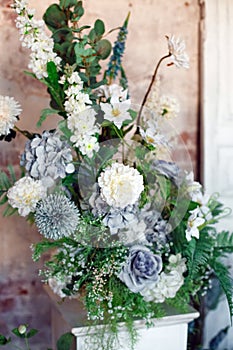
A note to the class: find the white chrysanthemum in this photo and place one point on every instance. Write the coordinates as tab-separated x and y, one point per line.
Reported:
176	48
120	185
9	111
116	111
25	194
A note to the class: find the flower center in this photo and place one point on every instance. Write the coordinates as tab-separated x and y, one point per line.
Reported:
116	112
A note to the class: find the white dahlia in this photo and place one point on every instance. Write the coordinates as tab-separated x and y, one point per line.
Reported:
9	111
120	185
25	194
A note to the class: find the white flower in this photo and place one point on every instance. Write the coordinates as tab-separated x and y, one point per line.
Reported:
120	185
25	194
176	48
88	145
168	107
169	282
34	37
116	111
193	187
83	123
9	111
152	135
167	287
75	79
57	285
194	221
112	90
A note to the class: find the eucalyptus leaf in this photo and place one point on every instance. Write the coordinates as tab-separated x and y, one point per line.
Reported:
67	3
103	48
54	17
78	11
99	27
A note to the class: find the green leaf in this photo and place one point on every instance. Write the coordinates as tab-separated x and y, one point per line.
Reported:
99	27
78	11
223	274
63	127
32	332
54	17
4	340
65	341
103	48
44	113
17	333
67	3
53	75
78	30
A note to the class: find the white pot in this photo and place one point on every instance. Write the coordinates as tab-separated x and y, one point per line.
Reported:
168	333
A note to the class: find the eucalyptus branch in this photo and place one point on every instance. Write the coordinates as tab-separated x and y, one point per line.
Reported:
149	89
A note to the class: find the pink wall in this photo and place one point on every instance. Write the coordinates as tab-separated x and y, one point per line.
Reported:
22	298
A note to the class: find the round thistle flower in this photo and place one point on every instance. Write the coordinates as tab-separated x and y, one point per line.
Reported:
25	194
56	216
9	112
120	185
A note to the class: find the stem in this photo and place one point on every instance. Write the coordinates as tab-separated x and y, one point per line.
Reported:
149	89
24	133
26	342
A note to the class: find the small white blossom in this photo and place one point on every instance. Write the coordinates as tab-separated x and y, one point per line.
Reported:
88	145
120	185
152	135
57	285
111	90
33	36
168	107
194	222
25	194
116	111
193	187
176	48
9	111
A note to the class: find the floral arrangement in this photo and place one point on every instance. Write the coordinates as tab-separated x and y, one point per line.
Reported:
128	228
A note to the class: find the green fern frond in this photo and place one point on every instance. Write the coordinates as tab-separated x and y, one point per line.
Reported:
224	243
223	275
198	253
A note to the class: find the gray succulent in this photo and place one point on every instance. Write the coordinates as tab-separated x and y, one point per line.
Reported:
47	158
141	269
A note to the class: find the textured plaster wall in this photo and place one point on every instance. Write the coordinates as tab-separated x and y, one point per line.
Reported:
22	298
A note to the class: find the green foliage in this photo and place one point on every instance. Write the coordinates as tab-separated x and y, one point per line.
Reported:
6	182
65	341
223	274
224	243
44	113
